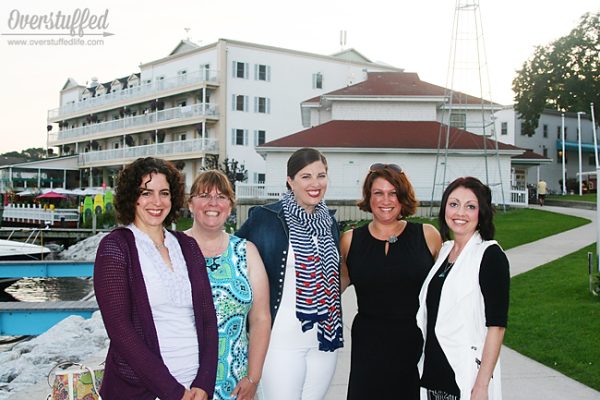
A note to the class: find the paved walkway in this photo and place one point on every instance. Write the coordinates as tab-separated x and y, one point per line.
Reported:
522	377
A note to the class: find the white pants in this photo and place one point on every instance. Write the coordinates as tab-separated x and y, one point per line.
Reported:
294	368
296	374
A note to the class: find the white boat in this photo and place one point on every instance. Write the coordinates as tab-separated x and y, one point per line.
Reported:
15	250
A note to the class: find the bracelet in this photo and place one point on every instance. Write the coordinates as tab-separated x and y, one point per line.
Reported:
250	380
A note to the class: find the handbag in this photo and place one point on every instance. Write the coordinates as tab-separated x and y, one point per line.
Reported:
75	381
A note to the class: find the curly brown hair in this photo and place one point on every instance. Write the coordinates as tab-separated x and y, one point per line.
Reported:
404	189
129	188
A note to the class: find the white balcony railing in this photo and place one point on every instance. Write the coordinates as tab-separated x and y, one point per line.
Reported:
166	149
132	93
30	212
516	198
139	121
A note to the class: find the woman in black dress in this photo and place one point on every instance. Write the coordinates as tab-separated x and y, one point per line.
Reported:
387	262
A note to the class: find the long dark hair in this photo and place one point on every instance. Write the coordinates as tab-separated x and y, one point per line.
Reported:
486	210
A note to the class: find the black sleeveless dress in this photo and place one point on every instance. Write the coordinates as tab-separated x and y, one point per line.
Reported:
386	342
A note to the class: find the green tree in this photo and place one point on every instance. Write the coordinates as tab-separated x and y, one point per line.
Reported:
31	154
562	75
235	171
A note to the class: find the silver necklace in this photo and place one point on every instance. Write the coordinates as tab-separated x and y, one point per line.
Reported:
392	239
159	246
447	268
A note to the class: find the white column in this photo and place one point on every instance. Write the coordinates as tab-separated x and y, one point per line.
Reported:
579	149
562	139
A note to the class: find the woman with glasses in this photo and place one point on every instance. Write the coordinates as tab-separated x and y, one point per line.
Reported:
464	300
239	286
154	295
297	238
387	261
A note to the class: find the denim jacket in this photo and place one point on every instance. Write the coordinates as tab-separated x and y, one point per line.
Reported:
267	229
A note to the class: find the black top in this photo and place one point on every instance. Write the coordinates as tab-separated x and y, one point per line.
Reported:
386	342
494	280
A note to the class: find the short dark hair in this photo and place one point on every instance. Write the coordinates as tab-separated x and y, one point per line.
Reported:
213	179
128	188
483	193
301	158
404	190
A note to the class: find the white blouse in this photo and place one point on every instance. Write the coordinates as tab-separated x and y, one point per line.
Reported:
170	296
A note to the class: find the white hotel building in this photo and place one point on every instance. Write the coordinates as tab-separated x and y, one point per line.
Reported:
196	104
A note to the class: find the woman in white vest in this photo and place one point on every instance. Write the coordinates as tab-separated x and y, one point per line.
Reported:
464	300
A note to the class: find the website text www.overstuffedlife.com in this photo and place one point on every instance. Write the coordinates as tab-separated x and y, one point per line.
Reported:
56	28
55	42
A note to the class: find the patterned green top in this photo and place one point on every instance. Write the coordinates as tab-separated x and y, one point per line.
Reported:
232	295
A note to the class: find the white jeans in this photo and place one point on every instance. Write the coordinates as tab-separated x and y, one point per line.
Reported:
294	368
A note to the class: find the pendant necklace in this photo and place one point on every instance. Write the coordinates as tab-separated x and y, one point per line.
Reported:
447	268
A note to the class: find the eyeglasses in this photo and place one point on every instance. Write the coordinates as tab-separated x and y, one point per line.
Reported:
207	197
380	167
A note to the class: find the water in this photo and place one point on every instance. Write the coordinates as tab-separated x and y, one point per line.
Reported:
50	289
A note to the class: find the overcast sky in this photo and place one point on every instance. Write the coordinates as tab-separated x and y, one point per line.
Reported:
410	34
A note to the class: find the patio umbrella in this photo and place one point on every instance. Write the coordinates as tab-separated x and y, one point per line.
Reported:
51	195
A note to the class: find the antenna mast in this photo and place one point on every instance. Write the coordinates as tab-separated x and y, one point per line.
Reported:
467	70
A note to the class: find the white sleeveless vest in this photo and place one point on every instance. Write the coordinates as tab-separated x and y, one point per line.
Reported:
460	326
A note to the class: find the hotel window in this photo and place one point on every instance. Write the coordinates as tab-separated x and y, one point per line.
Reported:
504	128
592	160
206	73
317	81
558	132
260	137
262	105
545	152
116	145
182	75
458	120
239	137
565	133
239	102
183	136
240	70
545	130
259	177
262	72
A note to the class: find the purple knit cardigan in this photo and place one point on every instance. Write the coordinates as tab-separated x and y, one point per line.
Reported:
134	368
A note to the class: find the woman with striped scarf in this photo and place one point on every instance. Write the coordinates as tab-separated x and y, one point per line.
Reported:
298	238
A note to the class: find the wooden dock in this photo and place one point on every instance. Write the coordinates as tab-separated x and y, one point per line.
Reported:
35	318
46	269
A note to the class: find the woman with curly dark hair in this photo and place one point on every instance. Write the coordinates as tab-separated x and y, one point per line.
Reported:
154	295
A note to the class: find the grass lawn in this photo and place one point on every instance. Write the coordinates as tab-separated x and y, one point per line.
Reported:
524	225
554	318
588	198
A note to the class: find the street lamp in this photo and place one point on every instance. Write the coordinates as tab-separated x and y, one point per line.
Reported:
562	139
579	114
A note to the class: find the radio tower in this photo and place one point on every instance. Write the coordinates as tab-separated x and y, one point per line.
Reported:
467	70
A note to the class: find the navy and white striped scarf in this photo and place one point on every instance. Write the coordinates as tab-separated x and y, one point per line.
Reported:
317	271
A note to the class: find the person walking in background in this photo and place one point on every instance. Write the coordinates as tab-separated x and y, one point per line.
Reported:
387	261
154	295
240	288
297	238
464	301
542	189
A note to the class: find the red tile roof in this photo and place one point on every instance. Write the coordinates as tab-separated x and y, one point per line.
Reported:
531	156
383	134
400	84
